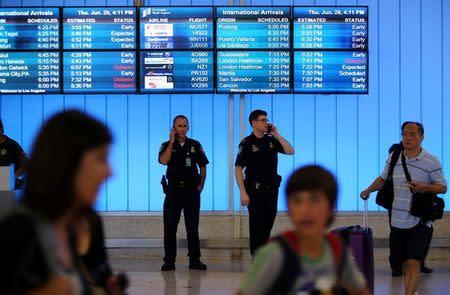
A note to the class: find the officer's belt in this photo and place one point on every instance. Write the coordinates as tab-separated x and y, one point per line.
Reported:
261	185
179	184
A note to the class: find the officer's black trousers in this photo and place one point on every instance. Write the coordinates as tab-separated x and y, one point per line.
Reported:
262	212
177	200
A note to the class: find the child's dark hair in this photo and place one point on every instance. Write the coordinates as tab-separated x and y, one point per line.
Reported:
313	178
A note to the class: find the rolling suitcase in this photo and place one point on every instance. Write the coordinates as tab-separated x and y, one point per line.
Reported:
360	240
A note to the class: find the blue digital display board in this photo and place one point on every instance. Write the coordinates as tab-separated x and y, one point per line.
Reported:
331	72
253	27
100	72
331	28
29	28
29	72
176	27
253	72
255	49
177	72
99	28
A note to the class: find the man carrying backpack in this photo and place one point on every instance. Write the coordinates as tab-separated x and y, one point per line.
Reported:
397	269
415	171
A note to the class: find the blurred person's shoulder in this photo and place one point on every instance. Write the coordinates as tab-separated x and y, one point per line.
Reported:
20	229
22	218
19	220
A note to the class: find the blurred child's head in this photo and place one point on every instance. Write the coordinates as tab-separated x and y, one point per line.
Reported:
311	194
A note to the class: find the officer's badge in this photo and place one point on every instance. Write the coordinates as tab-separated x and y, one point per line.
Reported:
255	148
192	149
271	145
3	152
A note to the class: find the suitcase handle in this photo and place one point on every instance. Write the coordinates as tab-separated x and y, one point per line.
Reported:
365	213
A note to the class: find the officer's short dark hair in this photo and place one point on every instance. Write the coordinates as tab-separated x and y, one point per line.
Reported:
418	124
180	117
1	125
55	158
255	115
313	178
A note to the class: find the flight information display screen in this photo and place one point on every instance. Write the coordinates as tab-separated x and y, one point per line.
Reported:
253	27
330	72
29	72
331	28
176	27
100	72
177	72
184	49
29	28
99	28
253	72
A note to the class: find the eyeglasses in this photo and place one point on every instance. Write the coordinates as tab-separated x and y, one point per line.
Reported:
263	120
412	134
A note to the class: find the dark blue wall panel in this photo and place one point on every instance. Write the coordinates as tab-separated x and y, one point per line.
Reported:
389	77
431	70
347	144
117	120
445	16
160	125
96	106
410	49
236	141
139	162
284	122
368	114
31	119
74	101
202	130
218	169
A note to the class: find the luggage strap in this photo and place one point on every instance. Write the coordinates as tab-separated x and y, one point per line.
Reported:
291	267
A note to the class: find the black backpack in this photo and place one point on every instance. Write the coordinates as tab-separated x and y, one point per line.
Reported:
396	147
291	268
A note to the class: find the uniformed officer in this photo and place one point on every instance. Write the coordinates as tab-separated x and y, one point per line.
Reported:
258	154
12	153
183	157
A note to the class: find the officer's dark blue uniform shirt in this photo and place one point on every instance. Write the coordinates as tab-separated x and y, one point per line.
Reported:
184	162
260	158
11	153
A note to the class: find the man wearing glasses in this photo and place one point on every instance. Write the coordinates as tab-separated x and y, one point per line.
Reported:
410	235
258	155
